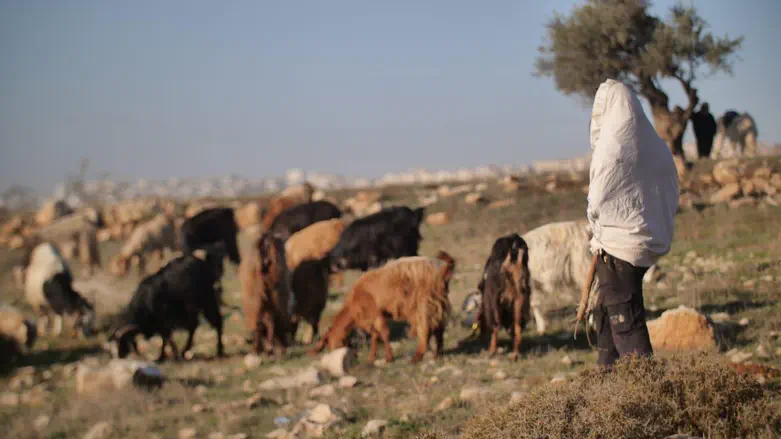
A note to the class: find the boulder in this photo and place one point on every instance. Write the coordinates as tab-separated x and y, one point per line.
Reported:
347	382
438	219
472	393
252	361
116	375
323	391
101	430
475	198
682	329
500	204
374	427
727	171
726	193
338	361
307	377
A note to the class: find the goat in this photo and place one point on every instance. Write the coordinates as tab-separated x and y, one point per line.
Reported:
172	299
153	236
301	216
313	242
49	287
208	227
371	241
265	282
414	289
505	291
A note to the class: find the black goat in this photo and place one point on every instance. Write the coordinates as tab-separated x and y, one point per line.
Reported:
301	216
172	299
209	227
371	241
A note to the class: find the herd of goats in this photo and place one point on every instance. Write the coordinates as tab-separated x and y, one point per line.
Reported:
285	277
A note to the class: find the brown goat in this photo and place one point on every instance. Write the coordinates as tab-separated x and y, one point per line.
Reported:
506	292
413	289
313	242
266	294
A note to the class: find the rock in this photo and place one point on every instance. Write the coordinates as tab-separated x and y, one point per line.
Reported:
501	204
743	322
740	357
727	172
307	377
116	375
567	361
323	414
743	201
9	399
279	433
500	375
187	433
41	422
101	430
438	219
252	361
321	391
257	400
201	390
762	172
682	329
198	408
347	382
338	361
516	397
559	379
374	427
726	193
475	198
454	371
446	404
472	393
434	380
762	352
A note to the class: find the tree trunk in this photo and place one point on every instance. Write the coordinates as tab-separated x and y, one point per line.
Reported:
670	125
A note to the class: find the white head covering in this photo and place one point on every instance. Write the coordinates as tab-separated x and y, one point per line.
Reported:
633	192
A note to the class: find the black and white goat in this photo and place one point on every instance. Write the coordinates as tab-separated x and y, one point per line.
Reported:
172	299
49	288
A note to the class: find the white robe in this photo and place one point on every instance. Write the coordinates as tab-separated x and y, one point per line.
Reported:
633	191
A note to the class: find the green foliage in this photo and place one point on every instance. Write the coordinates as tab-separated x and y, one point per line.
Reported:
620	39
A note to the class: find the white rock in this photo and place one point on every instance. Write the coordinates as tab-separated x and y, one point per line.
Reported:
9	399
472	393
338	361
762	352
446	404
252	361
279	433
743	322
322	414
347	382
307	377
500	375
516	396
101	430
567	360
115	375
187	433
740	357
321	391
374	427
559	379
41	422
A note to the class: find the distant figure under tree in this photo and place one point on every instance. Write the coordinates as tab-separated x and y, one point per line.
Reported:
704	130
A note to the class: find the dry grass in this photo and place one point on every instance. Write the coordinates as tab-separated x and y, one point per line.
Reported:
642	399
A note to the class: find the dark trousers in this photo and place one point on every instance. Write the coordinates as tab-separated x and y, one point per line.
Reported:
619	313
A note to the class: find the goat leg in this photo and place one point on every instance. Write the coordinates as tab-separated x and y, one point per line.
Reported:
494	339
517	333
585	293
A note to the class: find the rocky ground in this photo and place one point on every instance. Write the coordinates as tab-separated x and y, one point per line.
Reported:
724	264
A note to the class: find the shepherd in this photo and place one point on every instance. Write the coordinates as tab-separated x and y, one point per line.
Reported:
632	201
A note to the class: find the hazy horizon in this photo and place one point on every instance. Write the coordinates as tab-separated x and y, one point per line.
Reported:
158	90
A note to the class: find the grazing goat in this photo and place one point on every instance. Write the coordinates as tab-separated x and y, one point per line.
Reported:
301	216
209	227
48	288
505	291
559	259
265	282
371	241
172	299
153	236
313	242
414	289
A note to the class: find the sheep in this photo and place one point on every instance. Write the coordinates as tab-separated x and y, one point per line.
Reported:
505	291
172	299
79	232
413	288
370	241
153	236
313	242
208	227
266	303
300	216
48	287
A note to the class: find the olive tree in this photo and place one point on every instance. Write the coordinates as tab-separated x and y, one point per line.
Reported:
620	39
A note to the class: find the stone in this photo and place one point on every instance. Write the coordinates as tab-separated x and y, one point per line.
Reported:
567	361
743	201
307	377
501	204
475	198
338	361
258	400
740	357
744	322
438	219
116	375
323	414
252	361
201	390
101	430
9	399
41	422
323	391
682	329
446	404
726	193
558	379
762	352
727	172
187	433
516	397
279	433
347	382
198	408
472	393
374	427
500	375
494	363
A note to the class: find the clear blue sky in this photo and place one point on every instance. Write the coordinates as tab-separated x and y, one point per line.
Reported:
159	89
